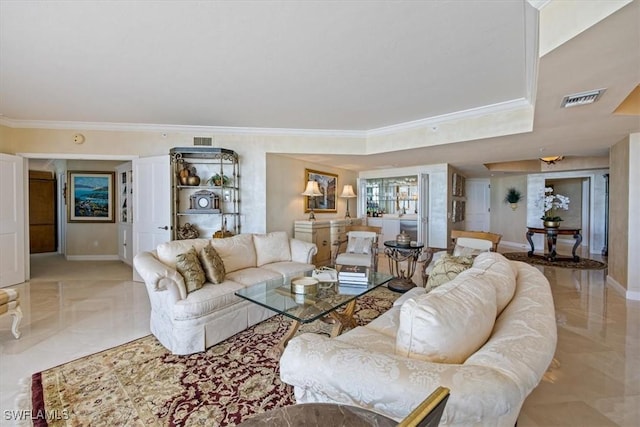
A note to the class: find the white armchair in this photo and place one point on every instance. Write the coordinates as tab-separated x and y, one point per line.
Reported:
359	248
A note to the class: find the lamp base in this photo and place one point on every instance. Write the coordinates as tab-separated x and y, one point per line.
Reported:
312	216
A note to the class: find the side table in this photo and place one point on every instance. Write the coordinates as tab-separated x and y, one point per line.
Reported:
398	254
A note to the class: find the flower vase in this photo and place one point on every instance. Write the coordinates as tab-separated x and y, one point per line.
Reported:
551	224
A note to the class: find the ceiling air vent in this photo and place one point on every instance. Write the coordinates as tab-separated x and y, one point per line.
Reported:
583	98
202	141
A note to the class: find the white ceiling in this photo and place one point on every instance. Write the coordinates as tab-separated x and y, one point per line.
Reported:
352	67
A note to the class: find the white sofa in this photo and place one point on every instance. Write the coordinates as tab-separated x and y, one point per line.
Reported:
442	338
187	323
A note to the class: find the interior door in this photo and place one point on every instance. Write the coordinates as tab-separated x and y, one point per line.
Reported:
12	220
42	212
478	206
151	204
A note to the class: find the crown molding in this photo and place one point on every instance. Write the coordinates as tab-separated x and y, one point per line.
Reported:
229	130
472	113
197	130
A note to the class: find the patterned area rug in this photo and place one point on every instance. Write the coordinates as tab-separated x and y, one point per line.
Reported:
141	383
583	264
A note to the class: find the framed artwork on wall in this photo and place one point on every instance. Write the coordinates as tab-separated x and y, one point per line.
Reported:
458	185
91	197
458	210
328	184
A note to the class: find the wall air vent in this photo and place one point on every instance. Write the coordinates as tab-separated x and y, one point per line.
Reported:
583	98
202	141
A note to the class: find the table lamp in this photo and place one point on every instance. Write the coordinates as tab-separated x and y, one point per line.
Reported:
347	193
312	191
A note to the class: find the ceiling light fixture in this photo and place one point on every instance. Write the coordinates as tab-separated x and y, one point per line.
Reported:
551	160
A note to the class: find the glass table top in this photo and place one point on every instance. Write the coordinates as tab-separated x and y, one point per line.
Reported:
276	295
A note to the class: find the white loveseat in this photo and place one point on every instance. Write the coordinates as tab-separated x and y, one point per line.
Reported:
441	338
187	323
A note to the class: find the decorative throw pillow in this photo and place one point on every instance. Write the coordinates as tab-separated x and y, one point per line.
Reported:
189	266
448	326
272	247
212	264
446	268
359	245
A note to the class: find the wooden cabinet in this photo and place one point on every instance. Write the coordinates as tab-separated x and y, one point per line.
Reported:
323	233
124	188
206	184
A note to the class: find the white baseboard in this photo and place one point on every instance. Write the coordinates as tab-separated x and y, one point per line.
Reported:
92	258
630	295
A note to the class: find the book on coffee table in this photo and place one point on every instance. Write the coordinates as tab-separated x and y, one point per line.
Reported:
358	271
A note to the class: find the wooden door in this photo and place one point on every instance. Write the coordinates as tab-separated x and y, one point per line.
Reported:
42	212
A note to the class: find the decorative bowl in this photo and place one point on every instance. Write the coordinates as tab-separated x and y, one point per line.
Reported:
304	285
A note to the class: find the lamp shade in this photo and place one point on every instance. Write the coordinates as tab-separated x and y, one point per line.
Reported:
312	189
347	191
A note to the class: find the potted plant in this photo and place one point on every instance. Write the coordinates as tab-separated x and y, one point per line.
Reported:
218	180
513	197
552	202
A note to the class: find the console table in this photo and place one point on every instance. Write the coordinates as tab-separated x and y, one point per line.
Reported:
552	236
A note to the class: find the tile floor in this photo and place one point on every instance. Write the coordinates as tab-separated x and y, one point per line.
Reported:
75	309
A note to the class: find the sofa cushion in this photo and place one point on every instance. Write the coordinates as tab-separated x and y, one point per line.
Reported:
289	268
272	247
446	268
448	324
212	264
168	251
503	275
188	265
253	275
237	252
209	299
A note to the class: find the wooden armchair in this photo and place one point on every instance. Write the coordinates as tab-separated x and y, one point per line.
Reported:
463	243
359	248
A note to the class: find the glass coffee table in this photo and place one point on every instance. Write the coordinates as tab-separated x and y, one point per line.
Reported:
276	295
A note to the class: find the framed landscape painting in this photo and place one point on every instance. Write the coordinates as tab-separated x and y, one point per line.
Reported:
91	197
328	184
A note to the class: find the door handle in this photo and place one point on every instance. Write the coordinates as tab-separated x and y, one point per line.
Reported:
166	227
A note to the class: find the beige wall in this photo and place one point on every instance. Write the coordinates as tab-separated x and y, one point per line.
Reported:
251	148
504	220
285	182
572	188
619	212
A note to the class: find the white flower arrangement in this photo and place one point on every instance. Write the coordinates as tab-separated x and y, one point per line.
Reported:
551	202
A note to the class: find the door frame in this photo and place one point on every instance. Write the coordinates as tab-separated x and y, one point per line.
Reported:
62	211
